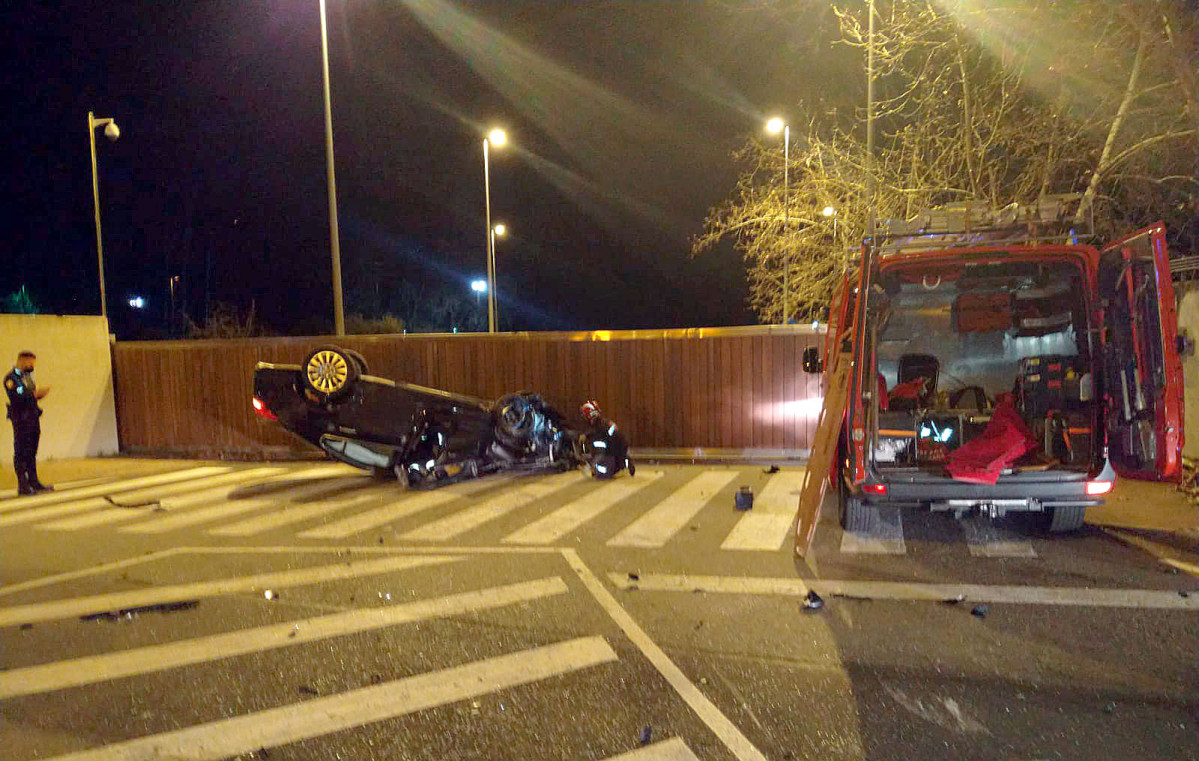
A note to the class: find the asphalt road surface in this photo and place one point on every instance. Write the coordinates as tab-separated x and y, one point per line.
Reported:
306	611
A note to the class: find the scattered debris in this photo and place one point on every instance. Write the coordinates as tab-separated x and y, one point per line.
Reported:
699	624
1183	593
385	595
474	708
646	734
376	679
980	610
157	505
812	601
26	627
306	690
634	576
380	540
954	600
270	594
695	527
703	680
744	498
771	469
1109	708
163	607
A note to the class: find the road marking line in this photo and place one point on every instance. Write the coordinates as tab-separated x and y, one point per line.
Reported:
883	537
986	540
472	517
899	590
111	514
721	725
68	575
292	514
413	502
161	525
673	749
768	524
143	660
1162	552
552	526
322	716
79	606
54	497
663	520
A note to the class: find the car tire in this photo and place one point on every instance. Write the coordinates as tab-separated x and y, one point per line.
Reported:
363	368
855	514
1065	519
329	372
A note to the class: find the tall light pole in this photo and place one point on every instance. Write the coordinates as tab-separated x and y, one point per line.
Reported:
339	317
775	125
497	231
112	132
497	138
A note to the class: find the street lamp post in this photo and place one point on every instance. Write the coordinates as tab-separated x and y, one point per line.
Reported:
774	125
497	138
339	317
497	231
112	132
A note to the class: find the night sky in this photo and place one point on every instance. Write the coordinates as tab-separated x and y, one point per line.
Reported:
622	118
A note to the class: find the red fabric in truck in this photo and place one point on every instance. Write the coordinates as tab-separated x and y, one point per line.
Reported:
1002	442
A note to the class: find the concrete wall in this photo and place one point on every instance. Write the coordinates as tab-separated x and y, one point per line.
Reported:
74	359
1188	324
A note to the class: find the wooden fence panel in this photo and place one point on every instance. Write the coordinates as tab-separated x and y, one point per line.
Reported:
731	388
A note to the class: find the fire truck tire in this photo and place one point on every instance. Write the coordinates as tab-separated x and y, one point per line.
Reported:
1066	519
855	514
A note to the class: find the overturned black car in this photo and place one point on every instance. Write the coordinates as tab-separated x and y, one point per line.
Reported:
426	437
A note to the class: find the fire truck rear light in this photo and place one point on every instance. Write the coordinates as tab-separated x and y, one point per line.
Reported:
1095	488
878	489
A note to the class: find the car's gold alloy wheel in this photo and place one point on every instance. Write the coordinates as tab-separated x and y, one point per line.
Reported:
327	371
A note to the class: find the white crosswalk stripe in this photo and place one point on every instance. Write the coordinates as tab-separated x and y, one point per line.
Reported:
294	514
98	668
112	488
555	525
768	525
321	716
339	502
79	606
108	514
410	504
178	520
660	523
471	518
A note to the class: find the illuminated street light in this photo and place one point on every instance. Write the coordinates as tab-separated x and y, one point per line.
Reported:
478	286
497	138
137	302
774	126
112	132
499	230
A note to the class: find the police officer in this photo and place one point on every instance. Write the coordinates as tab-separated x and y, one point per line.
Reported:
24	412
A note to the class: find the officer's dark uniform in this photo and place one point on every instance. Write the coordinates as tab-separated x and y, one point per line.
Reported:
24	412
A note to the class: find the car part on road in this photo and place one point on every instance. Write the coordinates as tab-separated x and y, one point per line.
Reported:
744	498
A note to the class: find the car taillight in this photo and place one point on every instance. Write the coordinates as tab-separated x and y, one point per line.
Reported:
879	489
1095	488
263	411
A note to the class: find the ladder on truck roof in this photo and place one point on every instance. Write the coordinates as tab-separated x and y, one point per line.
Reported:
1049	219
